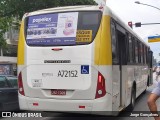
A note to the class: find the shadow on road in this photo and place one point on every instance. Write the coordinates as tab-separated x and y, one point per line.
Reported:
82	117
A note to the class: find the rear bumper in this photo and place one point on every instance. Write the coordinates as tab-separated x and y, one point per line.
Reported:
101	106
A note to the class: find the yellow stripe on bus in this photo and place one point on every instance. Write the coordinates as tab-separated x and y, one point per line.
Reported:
103	52
21	45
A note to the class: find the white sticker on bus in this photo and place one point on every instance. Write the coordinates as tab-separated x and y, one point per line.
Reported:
37	83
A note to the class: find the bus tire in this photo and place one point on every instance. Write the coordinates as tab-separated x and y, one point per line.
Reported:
144	92
133	99
148	81
146	85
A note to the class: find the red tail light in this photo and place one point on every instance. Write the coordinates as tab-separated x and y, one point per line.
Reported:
20	84
101	89
82	107
35	104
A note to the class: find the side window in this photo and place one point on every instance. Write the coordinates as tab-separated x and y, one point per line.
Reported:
136	51
144	54
147	56
140	52
133	46
121	35
3	82
130	48
114	44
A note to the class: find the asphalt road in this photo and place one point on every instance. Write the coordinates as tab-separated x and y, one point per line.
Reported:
140	106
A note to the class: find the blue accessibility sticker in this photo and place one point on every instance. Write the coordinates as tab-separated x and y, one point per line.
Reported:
84	69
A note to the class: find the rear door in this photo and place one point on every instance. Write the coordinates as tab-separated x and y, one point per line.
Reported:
122	48
119	64
60	55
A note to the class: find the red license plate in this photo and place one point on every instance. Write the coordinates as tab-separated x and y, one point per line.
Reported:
58	92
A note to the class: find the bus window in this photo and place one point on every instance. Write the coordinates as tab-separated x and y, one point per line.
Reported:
68	28
130	47
121	38
133	47
142	53
136	51
114	44
144	50
147	61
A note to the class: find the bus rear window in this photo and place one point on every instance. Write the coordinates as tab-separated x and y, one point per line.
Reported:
60	29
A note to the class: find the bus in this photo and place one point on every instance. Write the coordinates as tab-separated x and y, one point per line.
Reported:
80	58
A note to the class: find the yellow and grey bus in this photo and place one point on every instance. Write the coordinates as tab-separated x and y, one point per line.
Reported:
80	58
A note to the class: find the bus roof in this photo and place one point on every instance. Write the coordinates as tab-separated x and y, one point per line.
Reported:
64	9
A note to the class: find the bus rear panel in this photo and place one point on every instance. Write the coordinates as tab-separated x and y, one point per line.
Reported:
59	71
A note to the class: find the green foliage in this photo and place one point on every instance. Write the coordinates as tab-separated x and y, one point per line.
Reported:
3	43
19	7
4	25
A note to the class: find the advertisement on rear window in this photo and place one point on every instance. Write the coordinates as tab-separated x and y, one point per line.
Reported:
52	29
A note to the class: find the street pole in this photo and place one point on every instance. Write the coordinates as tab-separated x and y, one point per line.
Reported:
137	2
139	23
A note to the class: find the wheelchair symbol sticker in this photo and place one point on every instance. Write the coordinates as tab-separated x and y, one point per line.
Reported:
85	69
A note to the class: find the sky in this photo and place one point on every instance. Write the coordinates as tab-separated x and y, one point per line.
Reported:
128	10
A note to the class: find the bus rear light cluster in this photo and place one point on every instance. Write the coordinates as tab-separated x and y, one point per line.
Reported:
101	89
20	84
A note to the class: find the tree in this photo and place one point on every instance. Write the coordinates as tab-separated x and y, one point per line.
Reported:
4	25
17	8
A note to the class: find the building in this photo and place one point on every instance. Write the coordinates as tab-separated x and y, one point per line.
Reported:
8	56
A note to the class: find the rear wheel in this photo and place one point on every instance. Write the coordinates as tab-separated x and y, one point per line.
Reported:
133	99
146	86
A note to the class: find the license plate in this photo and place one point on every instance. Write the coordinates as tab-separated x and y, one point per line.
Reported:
58	92
67	73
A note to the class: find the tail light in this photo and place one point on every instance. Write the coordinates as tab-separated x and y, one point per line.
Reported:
101	89
20	84
35	104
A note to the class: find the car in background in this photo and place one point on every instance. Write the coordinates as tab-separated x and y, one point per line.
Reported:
8	93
